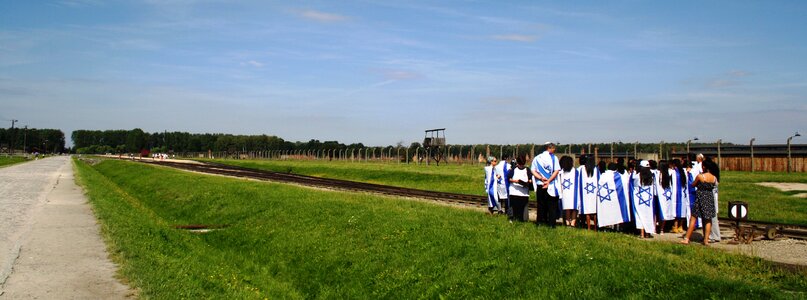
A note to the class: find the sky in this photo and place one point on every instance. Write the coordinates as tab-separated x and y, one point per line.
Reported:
382	72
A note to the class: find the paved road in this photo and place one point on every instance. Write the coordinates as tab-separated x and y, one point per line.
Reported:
50	247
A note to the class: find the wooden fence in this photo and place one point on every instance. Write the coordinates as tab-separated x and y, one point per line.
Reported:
764	164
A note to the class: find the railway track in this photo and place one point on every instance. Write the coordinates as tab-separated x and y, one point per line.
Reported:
754	229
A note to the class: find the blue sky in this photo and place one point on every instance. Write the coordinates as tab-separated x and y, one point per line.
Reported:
381	72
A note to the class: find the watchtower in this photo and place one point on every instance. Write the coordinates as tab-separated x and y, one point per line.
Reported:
434	142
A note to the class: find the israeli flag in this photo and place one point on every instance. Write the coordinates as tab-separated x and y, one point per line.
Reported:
691	193
502	184
666	198
587	190
491	187
680	201
568	187
642	196
612	200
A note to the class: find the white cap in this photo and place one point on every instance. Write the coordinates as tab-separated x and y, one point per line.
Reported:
644	164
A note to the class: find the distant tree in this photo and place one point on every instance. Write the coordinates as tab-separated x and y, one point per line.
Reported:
136	140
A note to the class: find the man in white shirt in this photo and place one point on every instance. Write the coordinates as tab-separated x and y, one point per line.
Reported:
545	168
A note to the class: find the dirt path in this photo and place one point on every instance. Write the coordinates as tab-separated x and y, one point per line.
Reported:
52	247
788	251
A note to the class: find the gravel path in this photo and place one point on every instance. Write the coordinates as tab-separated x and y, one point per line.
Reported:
50	244
785	186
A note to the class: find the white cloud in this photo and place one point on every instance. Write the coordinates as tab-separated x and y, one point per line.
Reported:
394	74
77	3
320	16
739	73
524	38
253	63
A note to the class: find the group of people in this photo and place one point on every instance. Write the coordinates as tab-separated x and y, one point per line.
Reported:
641	196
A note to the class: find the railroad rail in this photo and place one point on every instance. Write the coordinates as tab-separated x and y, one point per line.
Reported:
753	229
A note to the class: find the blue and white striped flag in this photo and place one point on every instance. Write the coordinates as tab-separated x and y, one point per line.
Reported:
612	200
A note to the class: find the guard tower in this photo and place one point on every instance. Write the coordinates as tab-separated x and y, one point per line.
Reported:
434	143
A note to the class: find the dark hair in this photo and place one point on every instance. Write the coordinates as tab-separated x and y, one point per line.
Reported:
602	166
653	164
566	163
521	159
612	166
665	174
549	145
583	159
712	167
620	168
645	176
677	165
590	167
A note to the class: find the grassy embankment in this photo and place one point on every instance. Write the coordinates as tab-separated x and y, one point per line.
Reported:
291	242
464	179
765	204
10	160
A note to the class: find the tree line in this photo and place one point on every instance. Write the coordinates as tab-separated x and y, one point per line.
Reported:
136	140
31	140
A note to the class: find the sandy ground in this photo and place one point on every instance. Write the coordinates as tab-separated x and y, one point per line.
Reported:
785	186
51	245
788	251
788	187
176	160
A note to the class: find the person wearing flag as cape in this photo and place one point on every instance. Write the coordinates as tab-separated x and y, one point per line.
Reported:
588	178
569	201
680	190
643	190
665	208
503	185
491	188
545	168
612	198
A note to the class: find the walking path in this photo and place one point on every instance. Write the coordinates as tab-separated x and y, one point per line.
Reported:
50	244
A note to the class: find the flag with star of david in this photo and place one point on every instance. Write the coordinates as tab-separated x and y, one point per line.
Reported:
643	205
586	191
666	197
568	187
612	200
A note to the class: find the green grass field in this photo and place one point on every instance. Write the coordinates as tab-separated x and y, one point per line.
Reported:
10	160
285	241
464	179
765	204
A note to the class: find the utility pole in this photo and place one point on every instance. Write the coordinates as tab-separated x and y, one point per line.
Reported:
25	141
788	150
11	138
689	142
612	151
719	160
752	154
